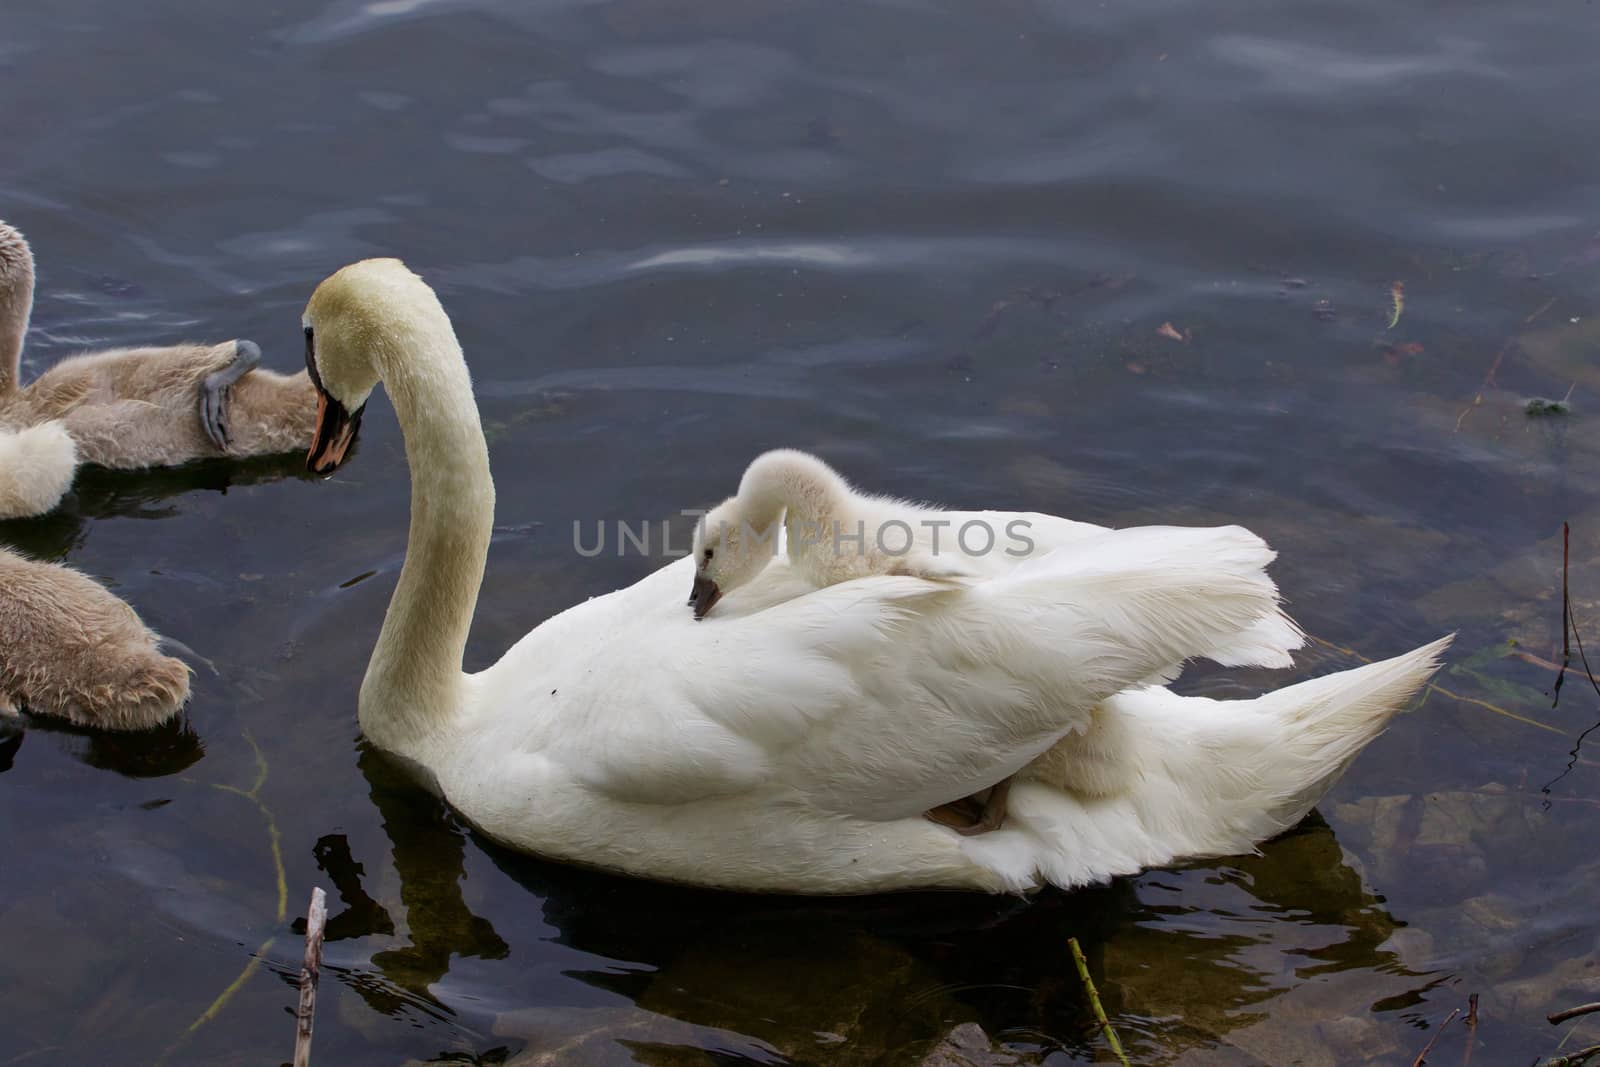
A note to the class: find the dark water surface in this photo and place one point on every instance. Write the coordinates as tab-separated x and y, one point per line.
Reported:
935	242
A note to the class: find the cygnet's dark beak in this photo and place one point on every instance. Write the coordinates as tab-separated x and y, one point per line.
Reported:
705	596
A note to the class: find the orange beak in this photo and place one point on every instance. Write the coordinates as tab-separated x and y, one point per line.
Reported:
336	432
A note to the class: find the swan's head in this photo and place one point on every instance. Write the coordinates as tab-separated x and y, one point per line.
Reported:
358	320
731	546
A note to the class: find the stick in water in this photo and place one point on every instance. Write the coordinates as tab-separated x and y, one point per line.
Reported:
1422	1057
316	919
1573	1013
1576	1059
1094	1001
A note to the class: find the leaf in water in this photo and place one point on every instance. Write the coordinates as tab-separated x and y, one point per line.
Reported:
1166	329
1397	297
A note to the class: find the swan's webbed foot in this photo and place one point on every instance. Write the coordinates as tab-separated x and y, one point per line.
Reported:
976	814
214	391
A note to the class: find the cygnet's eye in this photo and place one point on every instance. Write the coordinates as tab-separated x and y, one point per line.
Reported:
708	555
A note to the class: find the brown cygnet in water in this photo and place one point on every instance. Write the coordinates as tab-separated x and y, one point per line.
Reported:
145	407
70	648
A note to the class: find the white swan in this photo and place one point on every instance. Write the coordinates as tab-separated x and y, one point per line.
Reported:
793	744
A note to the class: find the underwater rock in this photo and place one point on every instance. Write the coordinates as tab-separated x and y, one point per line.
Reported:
968	1046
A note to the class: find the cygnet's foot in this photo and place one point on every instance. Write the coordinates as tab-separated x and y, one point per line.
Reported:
977	814
214	391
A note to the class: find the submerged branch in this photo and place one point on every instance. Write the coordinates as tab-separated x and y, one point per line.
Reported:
1488	380
1471	1023
1094	1001
274	839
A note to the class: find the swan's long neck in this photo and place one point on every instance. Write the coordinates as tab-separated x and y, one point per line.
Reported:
414	685
16	305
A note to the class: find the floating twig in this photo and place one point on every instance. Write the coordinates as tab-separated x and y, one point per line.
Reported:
1558	1017
1576	1059
310	971
1422	1057
1094	1001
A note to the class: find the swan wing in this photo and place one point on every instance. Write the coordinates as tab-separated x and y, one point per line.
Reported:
1269	641
876	698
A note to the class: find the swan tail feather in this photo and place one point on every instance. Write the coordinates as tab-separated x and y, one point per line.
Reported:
1199	777
1325	722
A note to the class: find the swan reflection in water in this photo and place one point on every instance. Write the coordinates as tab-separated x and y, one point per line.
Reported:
1208	961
